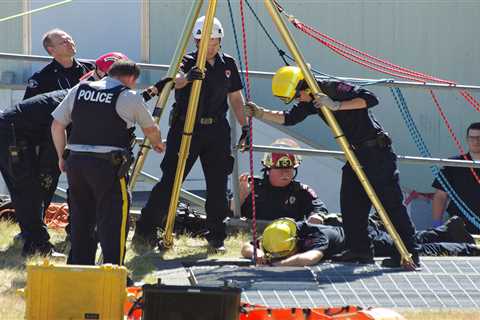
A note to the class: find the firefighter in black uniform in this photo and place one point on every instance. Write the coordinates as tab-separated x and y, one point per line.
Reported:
277	194
372	146
24	127
210	141
62	73
98	156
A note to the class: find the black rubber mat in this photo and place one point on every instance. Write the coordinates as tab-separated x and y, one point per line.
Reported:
441	283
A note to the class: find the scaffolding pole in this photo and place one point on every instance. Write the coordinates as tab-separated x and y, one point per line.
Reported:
389	83
338	134
163	96
341	155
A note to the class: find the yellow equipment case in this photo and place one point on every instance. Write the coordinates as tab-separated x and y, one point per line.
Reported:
75	292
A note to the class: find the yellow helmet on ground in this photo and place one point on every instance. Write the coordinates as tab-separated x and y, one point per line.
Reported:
280	160
279	238
286	83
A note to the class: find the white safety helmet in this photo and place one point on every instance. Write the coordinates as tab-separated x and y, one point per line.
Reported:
217	30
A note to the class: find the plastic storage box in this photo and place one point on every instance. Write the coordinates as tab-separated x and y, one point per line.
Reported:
75	292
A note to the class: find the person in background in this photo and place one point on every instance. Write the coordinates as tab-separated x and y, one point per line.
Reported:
464	183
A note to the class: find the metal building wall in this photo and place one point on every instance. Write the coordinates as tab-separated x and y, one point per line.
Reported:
435	37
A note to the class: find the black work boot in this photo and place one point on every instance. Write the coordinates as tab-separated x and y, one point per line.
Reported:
216	246
144	240
44	249
457	232
395	262
353	256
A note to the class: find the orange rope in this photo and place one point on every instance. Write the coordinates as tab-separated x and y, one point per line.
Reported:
56	215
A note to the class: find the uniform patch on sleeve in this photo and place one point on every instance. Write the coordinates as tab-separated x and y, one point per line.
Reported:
344	87
309	190
32	83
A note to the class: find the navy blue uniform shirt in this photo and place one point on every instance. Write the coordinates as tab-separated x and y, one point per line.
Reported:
330	240
55	77
32	117
297	201
358	125
220	79
466	186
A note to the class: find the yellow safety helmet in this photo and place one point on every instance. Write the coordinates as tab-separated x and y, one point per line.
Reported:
279	238
286	83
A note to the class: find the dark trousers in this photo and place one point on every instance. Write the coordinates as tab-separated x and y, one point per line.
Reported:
210	143
99	206
380	167
48	171
23	183
432	242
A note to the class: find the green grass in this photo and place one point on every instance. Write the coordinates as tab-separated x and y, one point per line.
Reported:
13	277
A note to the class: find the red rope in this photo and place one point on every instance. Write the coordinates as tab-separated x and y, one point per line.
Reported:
250	128
381	61
383	66
450	130
411	74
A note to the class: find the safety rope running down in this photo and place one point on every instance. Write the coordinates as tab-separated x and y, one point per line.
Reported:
250	127
383	66
422	148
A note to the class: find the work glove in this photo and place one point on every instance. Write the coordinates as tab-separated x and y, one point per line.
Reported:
244	141
324	100
161	83
195	74
252	110
154	90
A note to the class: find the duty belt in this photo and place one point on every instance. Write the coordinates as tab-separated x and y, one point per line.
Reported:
98	155
204	121
382	140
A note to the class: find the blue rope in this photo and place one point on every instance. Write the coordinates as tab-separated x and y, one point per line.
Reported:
239	55
422	148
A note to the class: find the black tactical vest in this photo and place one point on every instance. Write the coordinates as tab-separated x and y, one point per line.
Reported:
95	120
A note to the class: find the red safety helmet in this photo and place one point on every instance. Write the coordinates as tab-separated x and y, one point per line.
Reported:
104	62
280	160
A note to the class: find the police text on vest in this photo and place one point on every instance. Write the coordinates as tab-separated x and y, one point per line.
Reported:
95	96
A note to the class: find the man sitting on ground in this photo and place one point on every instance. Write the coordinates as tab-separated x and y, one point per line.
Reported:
463	181
277	193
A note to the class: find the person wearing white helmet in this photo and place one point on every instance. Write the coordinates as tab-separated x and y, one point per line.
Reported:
221	87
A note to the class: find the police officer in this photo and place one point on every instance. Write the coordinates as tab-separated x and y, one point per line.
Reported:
64	71
210	141
102	114
277	194
372	146
23	127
